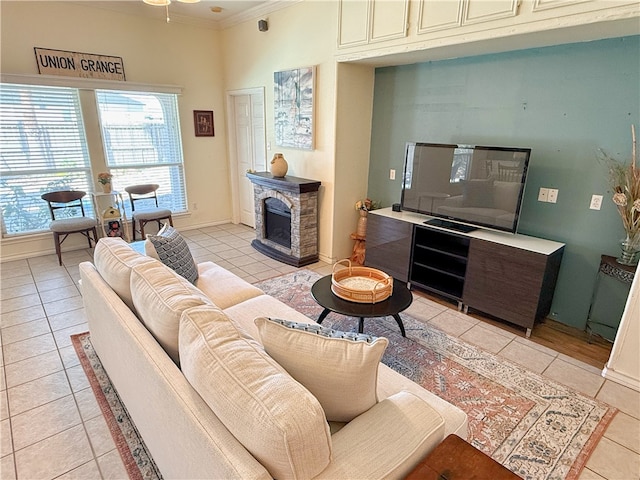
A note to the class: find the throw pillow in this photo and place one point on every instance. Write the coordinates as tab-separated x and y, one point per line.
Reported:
160	296
173	251
339	368
478	193
114	259
274	417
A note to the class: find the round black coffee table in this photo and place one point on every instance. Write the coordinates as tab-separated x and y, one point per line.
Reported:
399	300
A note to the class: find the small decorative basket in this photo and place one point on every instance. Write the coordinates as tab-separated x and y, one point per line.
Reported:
360	284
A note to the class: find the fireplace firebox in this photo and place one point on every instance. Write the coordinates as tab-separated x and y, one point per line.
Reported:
286	218
277	222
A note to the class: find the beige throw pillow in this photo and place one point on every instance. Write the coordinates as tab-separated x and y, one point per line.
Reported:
160	296
339	368
272	415
114	259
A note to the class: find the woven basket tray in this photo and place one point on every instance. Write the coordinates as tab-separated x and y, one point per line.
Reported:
360	284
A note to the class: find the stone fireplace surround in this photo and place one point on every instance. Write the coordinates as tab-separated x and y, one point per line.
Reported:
300	195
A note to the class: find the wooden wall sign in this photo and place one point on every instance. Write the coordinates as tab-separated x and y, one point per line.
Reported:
76	64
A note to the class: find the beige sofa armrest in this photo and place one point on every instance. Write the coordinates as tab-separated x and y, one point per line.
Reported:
387	441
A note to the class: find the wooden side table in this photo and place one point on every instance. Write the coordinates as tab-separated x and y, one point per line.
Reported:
109	207
609	297
455	459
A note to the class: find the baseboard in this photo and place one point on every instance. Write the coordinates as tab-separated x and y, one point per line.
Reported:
622	379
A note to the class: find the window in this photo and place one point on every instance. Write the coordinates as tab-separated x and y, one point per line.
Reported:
461	165
42	148
142	144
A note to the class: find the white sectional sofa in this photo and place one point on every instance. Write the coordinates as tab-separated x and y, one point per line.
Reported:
192	365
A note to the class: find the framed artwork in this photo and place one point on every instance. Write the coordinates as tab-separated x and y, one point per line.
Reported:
293	107
203	123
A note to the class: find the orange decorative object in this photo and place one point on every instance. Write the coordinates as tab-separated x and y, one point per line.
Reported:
360	284
359	249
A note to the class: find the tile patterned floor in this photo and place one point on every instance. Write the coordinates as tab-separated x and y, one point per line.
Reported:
51	425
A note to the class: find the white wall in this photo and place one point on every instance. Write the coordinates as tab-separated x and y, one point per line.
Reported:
624	363
353	138
207	64
303	35
153	52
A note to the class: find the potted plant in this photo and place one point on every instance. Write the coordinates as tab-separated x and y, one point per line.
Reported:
625	183
104	178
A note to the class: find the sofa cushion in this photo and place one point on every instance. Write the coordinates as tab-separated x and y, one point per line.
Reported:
243	314
160	296
387	441
340	369
114	259
279	421
223	287
173	251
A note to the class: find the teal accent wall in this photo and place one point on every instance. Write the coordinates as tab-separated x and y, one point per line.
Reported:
564	102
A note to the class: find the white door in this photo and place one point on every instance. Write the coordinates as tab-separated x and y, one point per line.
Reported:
250	151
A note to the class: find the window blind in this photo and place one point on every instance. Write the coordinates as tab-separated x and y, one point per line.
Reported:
142	143
42	148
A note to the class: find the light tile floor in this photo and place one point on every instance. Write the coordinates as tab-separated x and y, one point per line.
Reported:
51	425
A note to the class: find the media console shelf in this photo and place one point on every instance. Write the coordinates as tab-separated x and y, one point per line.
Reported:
439	261
511	277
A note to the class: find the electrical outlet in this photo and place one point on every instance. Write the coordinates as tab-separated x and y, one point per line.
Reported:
392	174
596	202
552	197
543	196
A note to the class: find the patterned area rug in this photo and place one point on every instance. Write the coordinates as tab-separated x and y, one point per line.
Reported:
537	428
134	454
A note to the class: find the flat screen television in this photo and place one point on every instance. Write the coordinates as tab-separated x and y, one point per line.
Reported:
465	186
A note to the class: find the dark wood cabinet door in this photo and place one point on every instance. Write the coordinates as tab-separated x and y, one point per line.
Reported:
389	246
505	281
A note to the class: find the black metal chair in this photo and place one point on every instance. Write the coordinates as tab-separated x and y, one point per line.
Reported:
146	194
70	202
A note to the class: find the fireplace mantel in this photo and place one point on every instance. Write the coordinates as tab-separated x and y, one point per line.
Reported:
284	184
299	197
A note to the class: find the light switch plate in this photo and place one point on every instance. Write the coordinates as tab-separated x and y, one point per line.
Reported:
543	195
552	197
392	174
596	202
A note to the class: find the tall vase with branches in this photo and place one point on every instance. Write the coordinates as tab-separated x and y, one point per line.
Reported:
624	180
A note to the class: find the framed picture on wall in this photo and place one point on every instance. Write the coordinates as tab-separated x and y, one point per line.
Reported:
294	107
203	123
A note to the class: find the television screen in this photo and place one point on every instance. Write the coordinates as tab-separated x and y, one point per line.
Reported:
473	185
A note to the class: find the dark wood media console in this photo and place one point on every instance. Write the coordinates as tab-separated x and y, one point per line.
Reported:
389	245
511	277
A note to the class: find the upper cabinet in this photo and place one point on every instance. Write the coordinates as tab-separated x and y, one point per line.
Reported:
546	4
440	15
368	21
390	29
